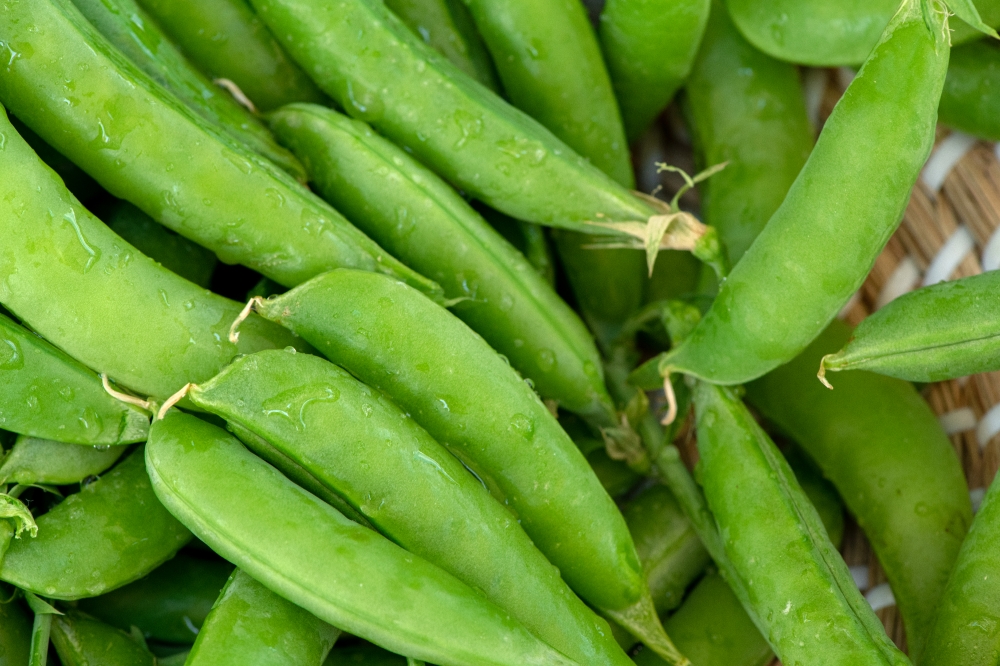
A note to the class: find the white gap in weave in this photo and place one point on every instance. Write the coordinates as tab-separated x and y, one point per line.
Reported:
989	426
991	253
880	597
814	88
958	420
950	256
859	573
944	158
976	496
996	150
903	280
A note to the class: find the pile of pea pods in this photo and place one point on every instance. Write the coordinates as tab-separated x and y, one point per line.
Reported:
336	332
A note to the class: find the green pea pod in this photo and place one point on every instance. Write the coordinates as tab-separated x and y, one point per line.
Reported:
364	655
15	634
333	426
944	331
965	631
370	587
45	393
144	146
169	605
189	260
971	98
102	301
827	34
34	460
82	641
79	183
649	46
112	532
616	477
419	218
529	239
469	399
249	624
820	492
176	659
748	110
882	447
137	36
226	40
445	25
788	574
819	246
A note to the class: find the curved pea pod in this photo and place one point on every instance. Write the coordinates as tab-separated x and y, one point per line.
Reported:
249	624
944	331
34	461
842	208
748	485
469	399
169	605
882	447
225	39
82	641
172	251
99	299
649	47
820	492
748	110
143	145
445	25
45	393
363	655
965	631
112	532
418	495
343	573
971	98
137	36
422	220
15	634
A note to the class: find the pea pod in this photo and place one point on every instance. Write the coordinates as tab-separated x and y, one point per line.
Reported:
820	244
465	395
79	183
249	624
616	477
15	634
102	301
169	605
335	427
882	447
142	145
48	394
447	27
137	36
419	218
82	641
971	98
402	602
34	460
748	484
944	331
112	532
650	46
226	39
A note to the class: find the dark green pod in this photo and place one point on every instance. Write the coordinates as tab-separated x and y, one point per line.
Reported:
15	634
971	98
34	460
82	641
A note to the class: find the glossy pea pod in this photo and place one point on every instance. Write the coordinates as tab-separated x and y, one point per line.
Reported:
45	393
15	634
33	461
830	34
649	47
136	35
947	330
746	109
226	40
971	98
882	447
788	575
402	602
469	399
169	605
420	219
320	417
83	641
842	208
144	146
101	300
249	624
112	532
